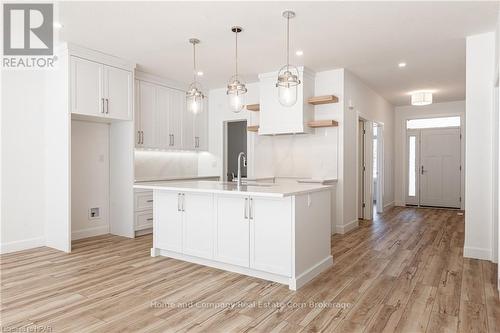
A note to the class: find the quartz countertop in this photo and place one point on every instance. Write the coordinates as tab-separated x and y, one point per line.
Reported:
260	189
159	179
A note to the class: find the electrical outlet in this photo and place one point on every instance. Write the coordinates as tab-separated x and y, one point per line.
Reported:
94	213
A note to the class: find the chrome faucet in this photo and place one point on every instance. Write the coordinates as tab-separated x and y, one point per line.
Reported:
240	155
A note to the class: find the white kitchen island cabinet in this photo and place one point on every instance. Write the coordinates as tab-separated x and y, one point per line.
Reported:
279	233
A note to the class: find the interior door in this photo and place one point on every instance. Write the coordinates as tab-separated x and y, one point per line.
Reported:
147	106
86	87
233	230
198	225
118	91
440	167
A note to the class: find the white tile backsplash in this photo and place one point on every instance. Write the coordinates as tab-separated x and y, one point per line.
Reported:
163	164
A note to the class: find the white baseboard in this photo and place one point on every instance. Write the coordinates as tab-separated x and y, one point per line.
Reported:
89	232
311	273
342	229
399	203
20	245
477	253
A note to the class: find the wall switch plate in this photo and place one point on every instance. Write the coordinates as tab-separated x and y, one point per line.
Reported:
94	213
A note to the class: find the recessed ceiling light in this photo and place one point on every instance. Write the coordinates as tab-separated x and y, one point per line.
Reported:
402	64
200	73
299	52
58	25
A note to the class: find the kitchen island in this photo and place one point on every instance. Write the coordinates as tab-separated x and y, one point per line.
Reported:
277	232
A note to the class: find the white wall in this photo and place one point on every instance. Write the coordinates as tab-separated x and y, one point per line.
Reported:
403	113
89	178
361	101
23	160
480	67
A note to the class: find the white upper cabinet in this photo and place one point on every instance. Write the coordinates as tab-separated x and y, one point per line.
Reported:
100	90
118	93
162	121
278	119
86	87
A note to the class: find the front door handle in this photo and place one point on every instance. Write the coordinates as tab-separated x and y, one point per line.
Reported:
422	169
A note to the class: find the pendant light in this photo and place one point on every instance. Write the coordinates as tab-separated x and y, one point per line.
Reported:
194	95
288	75
236	90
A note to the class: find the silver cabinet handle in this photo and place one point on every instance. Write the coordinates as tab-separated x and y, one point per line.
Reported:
138	137
142	137
150	219
107	106
102	110
250	209
246	209
422	169
150	200
178	202
183	202
173	139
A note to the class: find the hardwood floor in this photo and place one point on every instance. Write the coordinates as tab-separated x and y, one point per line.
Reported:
403	272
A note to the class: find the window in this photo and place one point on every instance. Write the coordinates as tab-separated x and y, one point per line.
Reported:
433	122
412	177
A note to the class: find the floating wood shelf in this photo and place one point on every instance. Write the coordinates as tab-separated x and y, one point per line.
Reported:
327	99
254	128
253	107
323	123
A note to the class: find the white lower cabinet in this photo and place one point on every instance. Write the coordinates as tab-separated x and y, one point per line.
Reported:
184	223
143	210
233	241
255	232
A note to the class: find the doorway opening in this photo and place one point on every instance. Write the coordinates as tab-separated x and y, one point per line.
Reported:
361	169
378	167
235	142
433	163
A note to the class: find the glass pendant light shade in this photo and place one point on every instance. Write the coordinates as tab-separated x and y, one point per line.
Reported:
194	94
288	75
236	90
194	98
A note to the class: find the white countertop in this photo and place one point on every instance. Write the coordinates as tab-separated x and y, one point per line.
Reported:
262	189
156	179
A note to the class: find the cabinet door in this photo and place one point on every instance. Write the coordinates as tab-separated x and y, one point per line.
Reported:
177	109
86	87
118	92
137	113
188	141
232	244
201	130
162	117
167	221
271	235
198	225
147	106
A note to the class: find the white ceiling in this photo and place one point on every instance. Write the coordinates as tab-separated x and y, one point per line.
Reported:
368	38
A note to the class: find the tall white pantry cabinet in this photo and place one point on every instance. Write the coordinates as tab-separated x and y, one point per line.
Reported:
88	85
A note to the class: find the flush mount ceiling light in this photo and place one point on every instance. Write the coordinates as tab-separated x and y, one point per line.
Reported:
288	75
299	53
236	90
402	64
421	98
194	95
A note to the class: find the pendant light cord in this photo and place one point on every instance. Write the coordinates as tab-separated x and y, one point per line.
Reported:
236	53
288	43
194	62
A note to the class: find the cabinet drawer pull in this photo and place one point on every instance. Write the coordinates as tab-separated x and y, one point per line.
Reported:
178	202
183	202
250	209
107	106
150	200
102	110
173	139
150	219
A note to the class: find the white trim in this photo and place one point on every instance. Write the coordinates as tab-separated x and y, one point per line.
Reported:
311	273
20	245
477	253
342	229
89	232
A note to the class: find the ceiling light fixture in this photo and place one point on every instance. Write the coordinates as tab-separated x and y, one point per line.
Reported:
236	90
299	53
421	98
402	64
288	75
194	95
